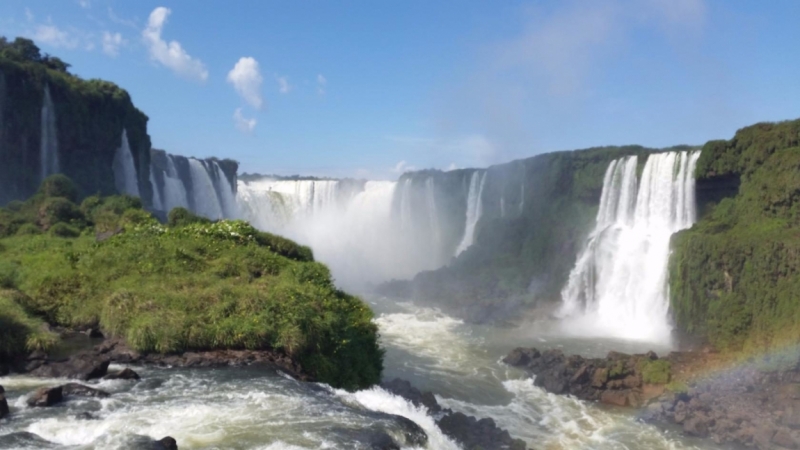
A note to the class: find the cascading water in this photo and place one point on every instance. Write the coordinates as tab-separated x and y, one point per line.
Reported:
174	195
433	213
474	210
618	286
124	168
49	140
204	193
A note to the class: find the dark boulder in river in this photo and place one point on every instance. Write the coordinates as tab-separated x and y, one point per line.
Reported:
46	397
80	390
124	374
85	366
3	403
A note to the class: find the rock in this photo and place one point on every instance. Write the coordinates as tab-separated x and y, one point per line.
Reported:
477	434
582	375
168	443
600	378
94	333
124	374
697	425
82	367
651	355
80	390
521	356
616	398
784	439
46	397
404	389
86	416
4	411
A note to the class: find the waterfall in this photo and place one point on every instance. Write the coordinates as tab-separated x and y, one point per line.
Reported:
124	168
618	286
433	213
474	210
174	195
158	204
49	141
224	190
204	193
405	204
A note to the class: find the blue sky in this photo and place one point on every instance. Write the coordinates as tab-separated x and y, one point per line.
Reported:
370	88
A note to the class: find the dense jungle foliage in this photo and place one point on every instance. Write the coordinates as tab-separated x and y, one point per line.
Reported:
192	284
735	275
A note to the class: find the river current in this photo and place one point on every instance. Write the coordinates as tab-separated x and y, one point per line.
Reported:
258	408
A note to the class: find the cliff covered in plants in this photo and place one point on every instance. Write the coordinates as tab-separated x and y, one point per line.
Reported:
190	285
735	275
83	131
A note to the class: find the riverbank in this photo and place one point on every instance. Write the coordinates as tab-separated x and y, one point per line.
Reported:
754	403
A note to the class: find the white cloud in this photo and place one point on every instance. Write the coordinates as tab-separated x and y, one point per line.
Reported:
246	79
85	4
402	167
170	54
451	167
322	83
283	85
29	15
244	124
112	42
54	36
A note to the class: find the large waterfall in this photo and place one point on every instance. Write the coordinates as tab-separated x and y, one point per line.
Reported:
124	168
618	287
475	209
49	142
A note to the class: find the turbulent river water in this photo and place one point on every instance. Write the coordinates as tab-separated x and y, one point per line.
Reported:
257	408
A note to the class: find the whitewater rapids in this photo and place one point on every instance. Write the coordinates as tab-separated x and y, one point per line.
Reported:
250	408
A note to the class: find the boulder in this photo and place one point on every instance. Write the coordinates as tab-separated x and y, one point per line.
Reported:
404	389
521	356
3	403
697	425
784	439
84	367
80	390
616	398
168	443
473	433
46	397
124	374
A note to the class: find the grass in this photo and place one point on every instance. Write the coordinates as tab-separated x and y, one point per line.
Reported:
195	286
21	332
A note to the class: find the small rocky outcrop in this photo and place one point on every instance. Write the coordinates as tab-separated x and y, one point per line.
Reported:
124	374
3	403
618	379
45	396
469	431
168	443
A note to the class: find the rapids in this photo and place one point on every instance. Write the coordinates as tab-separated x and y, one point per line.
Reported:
254	408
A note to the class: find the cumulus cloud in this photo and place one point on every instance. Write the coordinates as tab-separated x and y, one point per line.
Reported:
242	123
54	36
170	54
112	42
283	85
246	79
322	84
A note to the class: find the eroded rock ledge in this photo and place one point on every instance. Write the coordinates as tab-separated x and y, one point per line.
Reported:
749	405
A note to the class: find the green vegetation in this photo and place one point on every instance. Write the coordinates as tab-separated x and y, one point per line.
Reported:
735	275
655	372
90	117
194	285
677	387
20	332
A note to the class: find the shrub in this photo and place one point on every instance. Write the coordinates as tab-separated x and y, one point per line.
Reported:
58	209
655	372
28	229
20	332
180	217
64	230
59	185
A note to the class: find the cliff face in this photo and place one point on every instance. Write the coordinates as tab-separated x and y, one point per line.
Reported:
735	275
80	134
536	214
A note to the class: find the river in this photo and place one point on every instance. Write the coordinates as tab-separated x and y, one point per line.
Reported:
254	408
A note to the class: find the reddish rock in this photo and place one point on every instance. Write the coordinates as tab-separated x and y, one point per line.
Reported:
616	398
46	397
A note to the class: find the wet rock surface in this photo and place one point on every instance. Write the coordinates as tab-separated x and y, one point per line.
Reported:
747	406
618	379
470	432
44	397
3	403
93	363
